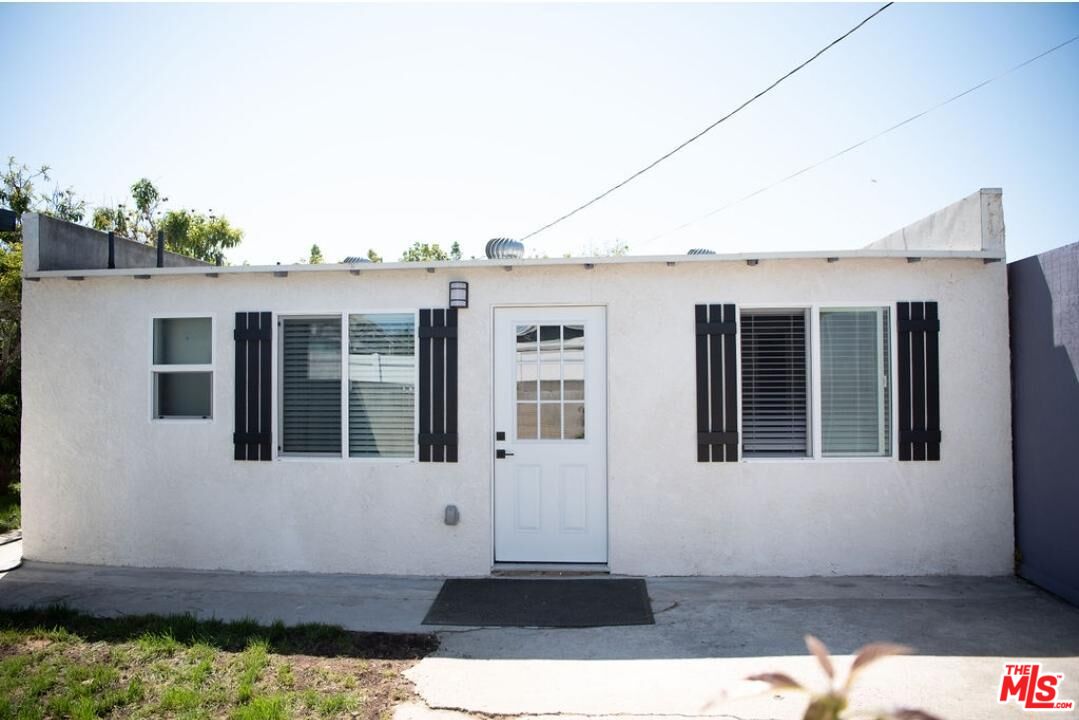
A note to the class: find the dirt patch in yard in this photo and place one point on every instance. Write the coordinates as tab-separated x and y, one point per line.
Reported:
56	663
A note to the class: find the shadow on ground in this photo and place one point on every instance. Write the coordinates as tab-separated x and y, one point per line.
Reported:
308	639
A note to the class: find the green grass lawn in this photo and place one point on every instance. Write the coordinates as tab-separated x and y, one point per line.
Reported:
10	517
57	663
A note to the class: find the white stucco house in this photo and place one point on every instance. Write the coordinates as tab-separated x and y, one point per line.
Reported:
794	413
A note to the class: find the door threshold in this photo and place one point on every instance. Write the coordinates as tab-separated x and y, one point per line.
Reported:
516	569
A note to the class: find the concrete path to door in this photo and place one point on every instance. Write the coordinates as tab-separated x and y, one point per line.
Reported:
710	633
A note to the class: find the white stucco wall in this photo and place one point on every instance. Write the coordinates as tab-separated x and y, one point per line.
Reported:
103	484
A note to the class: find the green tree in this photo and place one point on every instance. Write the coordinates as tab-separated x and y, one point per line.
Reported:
106	219
316	255
148	201
421	252
205	237
373	256
138	223
187	232
455	251
18	193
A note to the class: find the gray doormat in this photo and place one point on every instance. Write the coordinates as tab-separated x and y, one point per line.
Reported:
579	603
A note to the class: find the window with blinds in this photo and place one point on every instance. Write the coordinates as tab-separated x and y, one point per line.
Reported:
855	365
311	386
377	378
382	385
775	383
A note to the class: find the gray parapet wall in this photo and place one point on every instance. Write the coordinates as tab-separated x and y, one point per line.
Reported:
51	244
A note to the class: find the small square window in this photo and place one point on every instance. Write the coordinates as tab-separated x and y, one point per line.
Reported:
183	394
182	368
182	341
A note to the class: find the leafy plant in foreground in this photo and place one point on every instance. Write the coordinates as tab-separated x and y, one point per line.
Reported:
832	704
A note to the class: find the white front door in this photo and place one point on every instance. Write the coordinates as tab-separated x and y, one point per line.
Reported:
551	409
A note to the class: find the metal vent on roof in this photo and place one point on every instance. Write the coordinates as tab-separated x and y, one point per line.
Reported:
701	251
352	259
504	249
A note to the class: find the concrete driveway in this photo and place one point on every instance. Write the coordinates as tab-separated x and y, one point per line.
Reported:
709	634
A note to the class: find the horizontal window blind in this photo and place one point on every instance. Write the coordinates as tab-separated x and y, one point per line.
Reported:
382	385
774	383
311	385
855	408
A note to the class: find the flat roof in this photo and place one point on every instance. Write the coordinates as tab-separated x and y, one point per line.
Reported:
860	253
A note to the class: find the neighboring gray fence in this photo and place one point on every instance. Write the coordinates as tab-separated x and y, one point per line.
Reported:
1044	311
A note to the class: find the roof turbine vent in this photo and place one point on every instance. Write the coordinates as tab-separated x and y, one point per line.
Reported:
701	251
504	249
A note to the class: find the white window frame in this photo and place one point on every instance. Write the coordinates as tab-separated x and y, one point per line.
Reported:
811	414
157	369
890	451
813	349
278	419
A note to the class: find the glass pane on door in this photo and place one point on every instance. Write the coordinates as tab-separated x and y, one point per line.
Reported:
550	382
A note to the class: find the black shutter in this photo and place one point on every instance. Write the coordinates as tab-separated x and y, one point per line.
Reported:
254	385
437	433
717	410
919	381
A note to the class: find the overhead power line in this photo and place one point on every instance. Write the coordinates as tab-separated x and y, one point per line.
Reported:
864	141
726	117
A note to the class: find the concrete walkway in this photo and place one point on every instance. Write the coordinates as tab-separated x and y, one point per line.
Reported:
10	555
356	602
709	634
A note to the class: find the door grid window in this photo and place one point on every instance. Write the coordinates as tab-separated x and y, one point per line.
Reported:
550	382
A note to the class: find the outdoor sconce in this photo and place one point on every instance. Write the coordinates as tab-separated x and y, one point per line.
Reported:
458	294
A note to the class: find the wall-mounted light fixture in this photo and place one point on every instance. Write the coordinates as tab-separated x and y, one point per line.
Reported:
458	294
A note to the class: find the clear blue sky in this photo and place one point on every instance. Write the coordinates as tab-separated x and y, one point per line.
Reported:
376	126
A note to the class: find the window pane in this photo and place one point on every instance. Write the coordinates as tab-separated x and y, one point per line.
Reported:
182	394
526	390
311	386
550	381
574	421
774	384
573	343
526	421
526	339
573	377
855	409
551	421
382	385
527	366
182	341
550	345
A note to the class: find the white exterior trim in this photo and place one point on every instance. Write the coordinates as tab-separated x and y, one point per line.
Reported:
453	265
